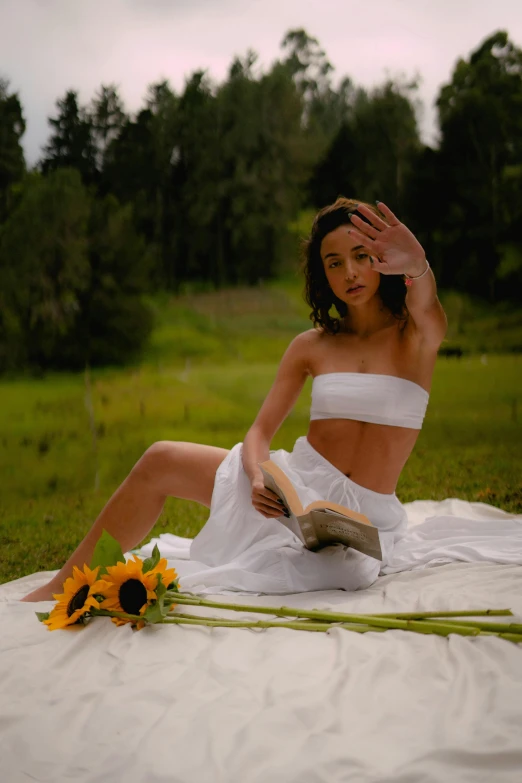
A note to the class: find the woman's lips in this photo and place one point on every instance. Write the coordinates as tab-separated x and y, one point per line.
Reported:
355	289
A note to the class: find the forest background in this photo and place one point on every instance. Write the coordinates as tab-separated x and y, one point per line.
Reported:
170	238
213	187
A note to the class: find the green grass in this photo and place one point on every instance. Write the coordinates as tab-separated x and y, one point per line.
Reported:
479	327
210	364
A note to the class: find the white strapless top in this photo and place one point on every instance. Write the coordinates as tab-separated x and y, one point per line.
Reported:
371	397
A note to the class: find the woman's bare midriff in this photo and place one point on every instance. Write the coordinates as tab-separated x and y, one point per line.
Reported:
372	455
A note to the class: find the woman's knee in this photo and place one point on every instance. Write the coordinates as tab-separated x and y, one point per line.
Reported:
156	460
181	469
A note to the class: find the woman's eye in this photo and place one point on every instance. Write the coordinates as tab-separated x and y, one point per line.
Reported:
360	256
333	264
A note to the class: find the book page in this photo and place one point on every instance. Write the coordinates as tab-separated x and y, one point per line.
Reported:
292	523
336	508
283	486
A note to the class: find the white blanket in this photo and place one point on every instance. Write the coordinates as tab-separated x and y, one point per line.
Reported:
198	705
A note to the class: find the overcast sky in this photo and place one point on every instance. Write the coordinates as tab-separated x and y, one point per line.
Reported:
50	46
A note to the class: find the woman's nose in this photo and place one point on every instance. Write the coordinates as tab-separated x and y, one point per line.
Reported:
350	271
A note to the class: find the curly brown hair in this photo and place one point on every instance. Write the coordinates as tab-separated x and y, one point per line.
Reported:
318	293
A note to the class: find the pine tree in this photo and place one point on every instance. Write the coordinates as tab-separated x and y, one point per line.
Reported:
72	143
12	128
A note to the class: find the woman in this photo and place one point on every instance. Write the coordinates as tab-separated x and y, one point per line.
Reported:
372	370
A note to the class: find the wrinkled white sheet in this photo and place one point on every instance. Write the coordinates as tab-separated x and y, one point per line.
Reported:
197	705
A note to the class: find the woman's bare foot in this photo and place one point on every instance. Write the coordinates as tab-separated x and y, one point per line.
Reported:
44	593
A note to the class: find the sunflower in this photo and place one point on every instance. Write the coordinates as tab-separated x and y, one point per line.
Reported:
76	600
127	589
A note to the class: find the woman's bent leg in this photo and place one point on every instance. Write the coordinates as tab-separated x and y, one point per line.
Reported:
179	469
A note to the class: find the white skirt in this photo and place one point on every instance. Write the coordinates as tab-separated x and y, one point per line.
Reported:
263	554
239	549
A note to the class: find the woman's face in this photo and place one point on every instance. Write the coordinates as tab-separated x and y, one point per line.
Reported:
348	268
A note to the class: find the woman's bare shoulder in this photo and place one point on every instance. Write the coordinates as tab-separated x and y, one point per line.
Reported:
307	344
311	337
309	334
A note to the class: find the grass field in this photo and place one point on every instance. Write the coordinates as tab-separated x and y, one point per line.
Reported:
211	361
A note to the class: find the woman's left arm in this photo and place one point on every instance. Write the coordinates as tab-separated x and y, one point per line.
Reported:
424	306
398	252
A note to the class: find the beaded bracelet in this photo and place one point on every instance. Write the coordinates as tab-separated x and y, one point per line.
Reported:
409	280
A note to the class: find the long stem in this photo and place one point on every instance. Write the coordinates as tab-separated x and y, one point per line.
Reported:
221	623
511	637
306	625
422	626
189	619
398	620
192	597
328	616
466	613
217	622
514	628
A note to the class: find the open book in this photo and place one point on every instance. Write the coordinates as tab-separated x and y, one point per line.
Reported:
322	522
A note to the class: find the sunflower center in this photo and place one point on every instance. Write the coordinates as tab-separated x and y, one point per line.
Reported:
132	596
78	600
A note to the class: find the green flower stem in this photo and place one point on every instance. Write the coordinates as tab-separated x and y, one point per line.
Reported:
467	613
359	627
305	625
114	613
399	620
221	623
309	625
197	600
421	626
330	617
511	637
514	628
217	622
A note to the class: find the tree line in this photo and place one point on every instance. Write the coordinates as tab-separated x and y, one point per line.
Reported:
201	188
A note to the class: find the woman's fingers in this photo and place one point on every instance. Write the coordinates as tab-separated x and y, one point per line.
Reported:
271	513
269	497
381	266
388	214
369	231
267	502
269	510
364	239
274	505
267	493
374	219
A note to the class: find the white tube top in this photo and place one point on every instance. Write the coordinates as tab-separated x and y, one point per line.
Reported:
371	397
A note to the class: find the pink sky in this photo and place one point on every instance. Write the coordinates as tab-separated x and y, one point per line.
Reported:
49	46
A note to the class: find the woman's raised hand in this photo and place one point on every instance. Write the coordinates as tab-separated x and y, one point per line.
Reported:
392	245
266	502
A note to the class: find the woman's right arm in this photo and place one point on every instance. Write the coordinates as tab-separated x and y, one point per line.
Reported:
290	379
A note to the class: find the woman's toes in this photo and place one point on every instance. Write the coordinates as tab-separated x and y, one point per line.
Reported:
41	594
